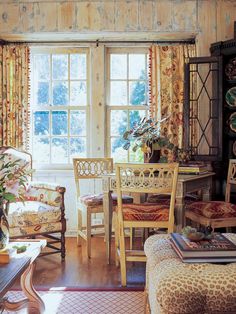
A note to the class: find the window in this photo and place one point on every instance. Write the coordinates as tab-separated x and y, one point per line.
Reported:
127	97
59	103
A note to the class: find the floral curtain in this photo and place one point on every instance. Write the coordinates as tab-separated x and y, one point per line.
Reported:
14	96
166	86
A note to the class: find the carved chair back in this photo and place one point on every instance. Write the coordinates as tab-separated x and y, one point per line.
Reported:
91	168
147	178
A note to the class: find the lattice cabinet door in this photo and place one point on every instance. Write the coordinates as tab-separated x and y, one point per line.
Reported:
203	108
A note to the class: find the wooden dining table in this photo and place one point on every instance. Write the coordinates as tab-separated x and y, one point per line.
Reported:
187	183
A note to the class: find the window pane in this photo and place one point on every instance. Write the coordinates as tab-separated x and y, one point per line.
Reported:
59	67
59	122
42	93
135	116
77	122
78	93
41	150
137	156
60	94
118	122
42	67
118	66
118	93
77	147
137	93
41	123
78	66
137	66
59	150
117	152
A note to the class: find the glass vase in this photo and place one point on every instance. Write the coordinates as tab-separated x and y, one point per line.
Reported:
4	227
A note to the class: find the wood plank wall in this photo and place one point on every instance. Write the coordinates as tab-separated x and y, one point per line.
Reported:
209	20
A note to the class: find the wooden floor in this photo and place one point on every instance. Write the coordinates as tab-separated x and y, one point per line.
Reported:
78	271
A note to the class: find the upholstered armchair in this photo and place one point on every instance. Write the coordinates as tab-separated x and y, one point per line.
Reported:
42	212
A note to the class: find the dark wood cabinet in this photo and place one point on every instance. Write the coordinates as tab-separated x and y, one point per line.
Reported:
210	107
227	51
202	109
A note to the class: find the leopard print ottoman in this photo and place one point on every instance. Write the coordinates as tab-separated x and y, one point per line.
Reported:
175	287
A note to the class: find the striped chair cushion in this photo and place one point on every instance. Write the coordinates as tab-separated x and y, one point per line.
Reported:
145	212
164	199
97	199
213	209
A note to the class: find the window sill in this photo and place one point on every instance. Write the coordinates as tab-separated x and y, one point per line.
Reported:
53	172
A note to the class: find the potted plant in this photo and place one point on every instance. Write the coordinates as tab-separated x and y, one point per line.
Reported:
146	135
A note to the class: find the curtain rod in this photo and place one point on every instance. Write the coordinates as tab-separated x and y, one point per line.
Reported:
97	42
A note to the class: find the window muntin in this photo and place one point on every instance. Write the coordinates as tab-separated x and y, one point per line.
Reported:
59	102
127	97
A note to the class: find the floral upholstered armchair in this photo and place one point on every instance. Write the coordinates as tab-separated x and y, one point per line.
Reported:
38	208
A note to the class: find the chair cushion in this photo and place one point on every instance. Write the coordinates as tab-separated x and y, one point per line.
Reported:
145	212
213	209
32	213
97	199
164	199
91	199
20	231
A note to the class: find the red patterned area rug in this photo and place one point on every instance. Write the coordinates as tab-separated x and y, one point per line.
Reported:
88	302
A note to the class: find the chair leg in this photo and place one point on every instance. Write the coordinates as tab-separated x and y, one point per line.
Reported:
63	247
146	302
88	227
170	229
122	256
130	238
116	238
79	227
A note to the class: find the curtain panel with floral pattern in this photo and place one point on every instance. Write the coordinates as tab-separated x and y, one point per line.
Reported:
166	87
14	96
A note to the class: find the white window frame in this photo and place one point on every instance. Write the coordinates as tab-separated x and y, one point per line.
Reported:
122	50
50	108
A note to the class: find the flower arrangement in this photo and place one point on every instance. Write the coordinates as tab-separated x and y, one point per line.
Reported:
146	135
13	176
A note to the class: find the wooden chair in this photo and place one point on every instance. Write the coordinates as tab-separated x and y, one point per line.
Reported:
91	169
42	214
216	214
143	178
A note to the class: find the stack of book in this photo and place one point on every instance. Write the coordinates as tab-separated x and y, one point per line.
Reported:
218	249
193	168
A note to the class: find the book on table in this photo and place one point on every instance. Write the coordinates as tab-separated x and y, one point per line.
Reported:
217	249
193	168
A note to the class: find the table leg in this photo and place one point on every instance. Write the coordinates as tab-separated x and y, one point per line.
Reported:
179	207
5	304
107	208
35	303
206	191
179	213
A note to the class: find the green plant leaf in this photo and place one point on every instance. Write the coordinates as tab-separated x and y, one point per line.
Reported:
126	145
126	135
9	197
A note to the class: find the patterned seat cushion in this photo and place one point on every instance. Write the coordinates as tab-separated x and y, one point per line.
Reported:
213	209
97	199
164	199
32	213
36	229
145	212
